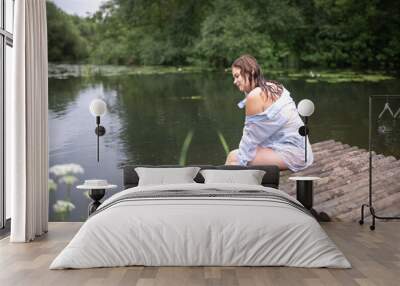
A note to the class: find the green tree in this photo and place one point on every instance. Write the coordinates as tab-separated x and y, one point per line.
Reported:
230	30
65	44
286	33
356	34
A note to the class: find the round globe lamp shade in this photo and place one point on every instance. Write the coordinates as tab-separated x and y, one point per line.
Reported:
98	107
306	107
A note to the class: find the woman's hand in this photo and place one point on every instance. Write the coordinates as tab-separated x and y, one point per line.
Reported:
231	159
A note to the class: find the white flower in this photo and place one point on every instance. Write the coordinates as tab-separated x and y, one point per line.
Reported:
52	185
63	206
68	179
64	169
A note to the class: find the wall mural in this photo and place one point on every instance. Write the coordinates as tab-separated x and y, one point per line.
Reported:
171	100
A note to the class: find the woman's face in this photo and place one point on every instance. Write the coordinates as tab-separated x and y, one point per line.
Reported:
241	82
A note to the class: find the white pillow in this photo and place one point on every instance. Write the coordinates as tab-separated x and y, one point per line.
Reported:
248	177
162	176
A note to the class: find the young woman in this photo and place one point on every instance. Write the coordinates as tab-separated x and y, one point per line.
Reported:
270	134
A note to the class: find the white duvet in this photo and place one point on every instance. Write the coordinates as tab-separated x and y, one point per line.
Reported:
200	231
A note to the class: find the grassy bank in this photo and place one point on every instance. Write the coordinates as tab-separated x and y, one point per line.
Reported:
310	76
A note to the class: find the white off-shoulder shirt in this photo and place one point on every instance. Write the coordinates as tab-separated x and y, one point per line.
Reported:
276	128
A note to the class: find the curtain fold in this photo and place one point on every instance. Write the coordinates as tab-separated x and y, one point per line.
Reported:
27	149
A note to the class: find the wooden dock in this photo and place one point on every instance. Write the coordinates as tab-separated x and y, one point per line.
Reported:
344	183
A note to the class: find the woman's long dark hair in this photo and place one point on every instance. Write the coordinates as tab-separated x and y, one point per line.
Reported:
251	69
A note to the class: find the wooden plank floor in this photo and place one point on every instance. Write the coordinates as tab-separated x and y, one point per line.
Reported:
375	257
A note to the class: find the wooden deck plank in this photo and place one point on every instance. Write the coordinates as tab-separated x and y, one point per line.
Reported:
344	183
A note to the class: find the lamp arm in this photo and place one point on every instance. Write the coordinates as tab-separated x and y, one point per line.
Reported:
305	148
305	138
100	131
98	136
98	144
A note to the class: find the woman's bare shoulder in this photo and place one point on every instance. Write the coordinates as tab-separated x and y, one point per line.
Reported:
254	102
255	91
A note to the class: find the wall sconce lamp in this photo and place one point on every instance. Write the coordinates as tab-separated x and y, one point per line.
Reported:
306	109
98	108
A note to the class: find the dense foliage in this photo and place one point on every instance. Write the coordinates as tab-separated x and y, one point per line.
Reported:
65	41
285	33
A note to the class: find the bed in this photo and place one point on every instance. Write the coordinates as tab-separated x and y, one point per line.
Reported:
201	224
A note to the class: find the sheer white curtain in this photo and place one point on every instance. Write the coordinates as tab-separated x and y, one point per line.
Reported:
26	124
